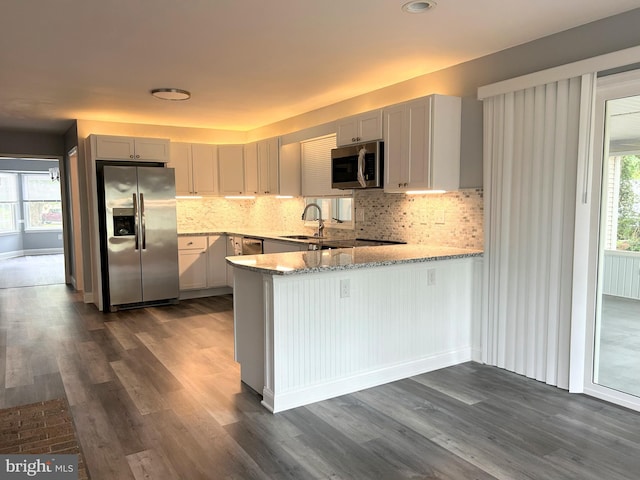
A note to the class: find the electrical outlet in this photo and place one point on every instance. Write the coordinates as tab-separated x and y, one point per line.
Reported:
360	214
431	276
345	288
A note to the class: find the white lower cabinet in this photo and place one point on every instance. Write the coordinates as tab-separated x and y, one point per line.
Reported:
216	253
192	262
202	262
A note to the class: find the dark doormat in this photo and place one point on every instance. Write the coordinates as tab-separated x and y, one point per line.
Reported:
40	428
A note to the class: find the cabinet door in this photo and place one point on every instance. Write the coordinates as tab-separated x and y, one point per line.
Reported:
114	148
370	126
251	169
192	262
152	149
289	170
359	128
204	160
231	169
216	254
445	142
231	251
396	149
180	160
419	125
347	131
268	155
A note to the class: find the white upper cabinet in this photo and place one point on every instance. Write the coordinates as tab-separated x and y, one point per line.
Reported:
289	170
231	169
268	166
360	128
251	168
422	144
261	165
196	168
109	147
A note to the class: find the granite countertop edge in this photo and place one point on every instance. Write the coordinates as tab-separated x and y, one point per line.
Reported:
290	263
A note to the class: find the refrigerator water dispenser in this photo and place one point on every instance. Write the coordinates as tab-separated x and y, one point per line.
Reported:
123	222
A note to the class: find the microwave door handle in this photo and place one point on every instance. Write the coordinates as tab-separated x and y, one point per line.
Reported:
361	179
135	222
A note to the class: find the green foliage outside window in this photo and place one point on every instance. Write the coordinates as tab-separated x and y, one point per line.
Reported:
629	204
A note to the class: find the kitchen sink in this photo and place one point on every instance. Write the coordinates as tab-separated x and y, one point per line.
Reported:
300	237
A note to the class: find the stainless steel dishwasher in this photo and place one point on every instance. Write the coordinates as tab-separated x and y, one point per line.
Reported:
251	246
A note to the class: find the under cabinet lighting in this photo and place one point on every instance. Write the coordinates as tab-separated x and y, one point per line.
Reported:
188	196
424	192
284	196
240	197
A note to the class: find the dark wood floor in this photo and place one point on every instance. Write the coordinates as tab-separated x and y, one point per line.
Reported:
155	394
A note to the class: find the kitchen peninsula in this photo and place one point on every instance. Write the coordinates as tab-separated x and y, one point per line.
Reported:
313	325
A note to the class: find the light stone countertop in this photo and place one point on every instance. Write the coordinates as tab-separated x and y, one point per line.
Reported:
315	261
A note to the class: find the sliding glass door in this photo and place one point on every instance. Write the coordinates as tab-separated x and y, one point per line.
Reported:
615	371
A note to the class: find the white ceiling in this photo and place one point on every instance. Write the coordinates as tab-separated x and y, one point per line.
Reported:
248	63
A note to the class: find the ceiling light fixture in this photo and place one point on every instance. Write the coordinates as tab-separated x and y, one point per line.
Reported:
171	94
418	6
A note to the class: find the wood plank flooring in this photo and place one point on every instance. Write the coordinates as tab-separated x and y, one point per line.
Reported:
155	394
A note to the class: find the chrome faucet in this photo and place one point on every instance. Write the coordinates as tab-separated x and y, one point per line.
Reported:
320	222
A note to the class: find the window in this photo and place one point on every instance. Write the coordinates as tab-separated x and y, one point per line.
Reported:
337	212
337	209
623	203
41	202
8	202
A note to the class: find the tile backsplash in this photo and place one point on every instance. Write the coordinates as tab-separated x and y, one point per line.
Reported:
453	219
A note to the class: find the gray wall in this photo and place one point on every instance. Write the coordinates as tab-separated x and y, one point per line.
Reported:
463	80
31	143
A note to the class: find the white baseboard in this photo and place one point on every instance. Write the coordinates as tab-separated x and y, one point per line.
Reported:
35	251
275	402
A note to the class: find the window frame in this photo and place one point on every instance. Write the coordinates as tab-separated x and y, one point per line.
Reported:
12	204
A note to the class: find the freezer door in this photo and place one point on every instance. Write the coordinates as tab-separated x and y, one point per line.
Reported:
121	199
158	233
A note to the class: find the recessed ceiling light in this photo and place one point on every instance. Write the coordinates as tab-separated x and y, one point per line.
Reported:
418	6
171	94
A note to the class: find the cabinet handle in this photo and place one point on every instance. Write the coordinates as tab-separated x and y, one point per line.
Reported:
190	243
137	156
353	139
130	156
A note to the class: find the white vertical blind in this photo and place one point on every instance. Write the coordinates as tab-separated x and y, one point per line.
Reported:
530	176
316	167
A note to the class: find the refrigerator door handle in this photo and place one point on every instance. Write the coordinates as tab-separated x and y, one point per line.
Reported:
142	223
135	220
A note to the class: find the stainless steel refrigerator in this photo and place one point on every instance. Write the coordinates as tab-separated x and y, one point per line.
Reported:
140	244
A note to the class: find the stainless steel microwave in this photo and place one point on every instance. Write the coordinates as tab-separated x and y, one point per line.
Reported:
357	166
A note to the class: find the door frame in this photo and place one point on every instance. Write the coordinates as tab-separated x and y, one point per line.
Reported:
607	88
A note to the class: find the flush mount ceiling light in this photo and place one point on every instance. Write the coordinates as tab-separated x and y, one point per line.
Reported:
418	6
171	94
